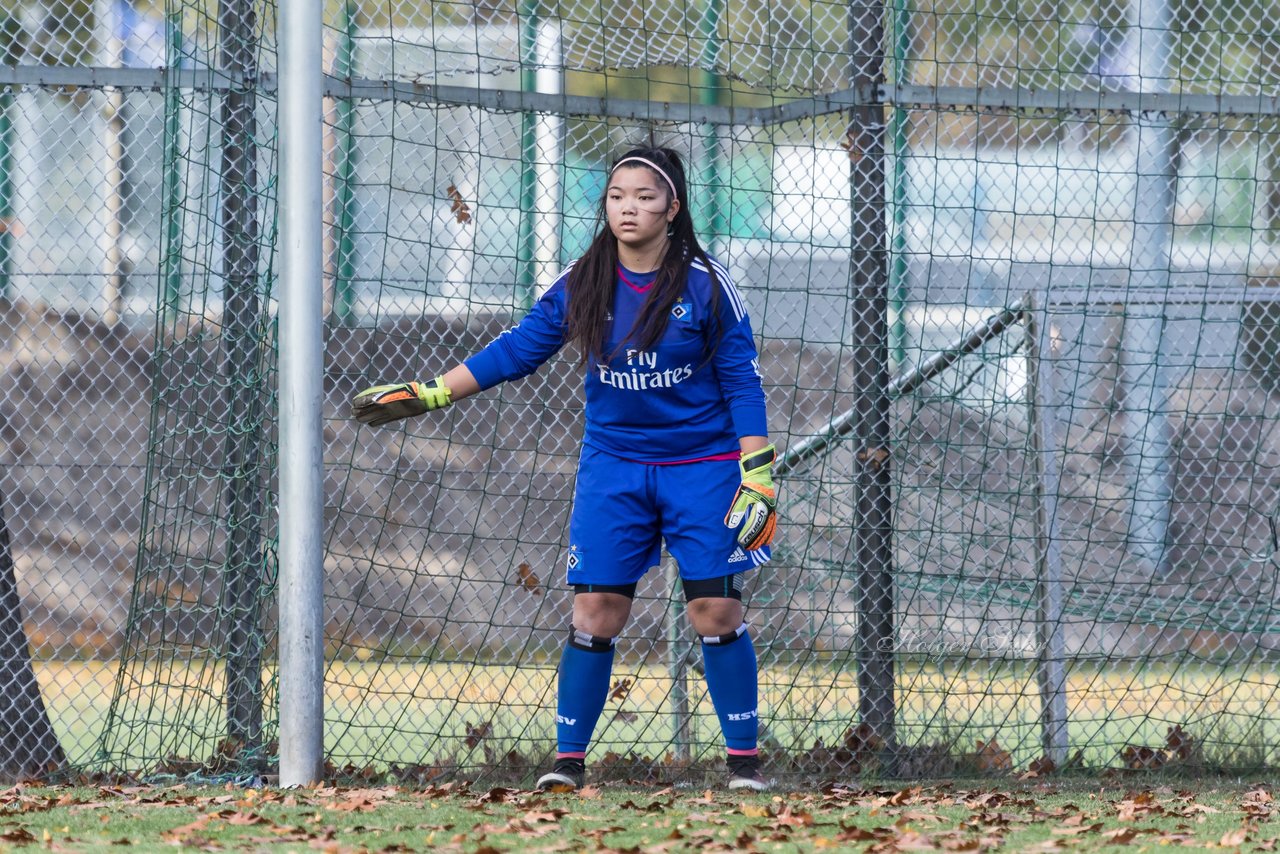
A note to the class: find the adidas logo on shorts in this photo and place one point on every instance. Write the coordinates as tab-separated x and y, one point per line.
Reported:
737	556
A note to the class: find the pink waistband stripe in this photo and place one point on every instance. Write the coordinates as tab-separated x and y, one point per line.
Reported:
729	455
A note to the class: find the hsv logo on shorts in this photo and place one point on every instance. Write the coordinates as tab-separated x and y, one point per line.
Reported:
574	559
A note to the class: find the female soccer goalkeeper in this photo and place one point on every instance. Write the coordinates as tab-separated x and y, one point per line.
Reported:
675	446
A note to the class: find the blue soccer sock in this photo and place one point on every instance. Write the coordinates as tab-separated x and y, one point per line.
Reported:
730	664
585	667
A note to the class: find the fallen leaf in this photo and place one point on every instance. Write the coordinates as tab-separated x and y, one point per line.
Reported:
620	689
1181	746
1040	767
184	832
794	818
1074	830
528	580
1139	757
904	796
496	795
1120	835
1232	838
1138	806
457	206
356	804
991	759
856	834
912	840
477	733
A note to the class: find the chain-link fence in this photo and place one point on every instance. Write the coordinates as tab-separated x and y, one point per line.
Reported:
1013	278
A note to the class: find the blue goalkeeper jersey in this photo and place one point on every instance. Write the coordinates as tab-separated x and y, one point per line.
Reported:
664	404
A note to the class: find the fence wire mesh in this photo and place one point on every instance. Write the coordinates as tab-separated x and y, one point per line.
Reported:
1084	505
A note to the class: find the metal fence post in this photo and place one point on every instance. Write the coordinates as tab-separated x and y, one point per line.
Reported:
678	649
243	348
1143	372
1050	645
301	593
873	499
344	175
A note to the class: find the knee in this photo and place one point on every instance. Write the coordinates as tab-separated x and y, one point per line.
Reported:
711	617
603	615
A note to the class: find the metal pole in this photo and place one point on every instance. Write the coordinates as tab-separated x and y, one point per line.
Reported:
717	226
549	145
873	498
1050	644
526	249
11	52
678	650
171	248
7	139
301	593
901	151
111	49
843	424
242	345
344	175
1146	394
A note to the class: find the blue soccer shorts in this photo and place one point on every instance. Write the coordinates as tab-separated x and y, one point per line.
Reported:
624	510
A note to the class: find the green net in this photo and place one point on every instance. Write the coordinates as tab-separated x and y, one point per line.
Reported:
196	690
1075	311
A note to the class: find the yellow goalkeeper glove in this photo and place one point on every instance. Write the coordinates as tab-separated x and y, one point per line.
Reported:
385	403
754	510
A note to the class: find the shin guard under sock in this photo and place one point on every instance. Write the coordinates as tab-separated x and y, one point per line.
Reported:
730	664
585	667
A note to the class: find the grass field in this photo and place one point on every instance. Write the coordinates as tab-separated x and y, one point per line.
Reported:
1126	813
473	716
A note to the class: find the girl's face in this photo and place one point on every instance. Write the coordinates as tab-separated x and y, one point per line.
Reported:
639	206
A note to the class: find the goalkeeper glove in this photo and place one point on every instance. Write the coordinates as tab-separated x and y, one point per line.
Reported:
385	403
754	510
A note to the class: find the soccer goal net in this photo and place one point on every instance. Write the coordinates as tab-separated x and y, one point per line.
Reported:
1013	278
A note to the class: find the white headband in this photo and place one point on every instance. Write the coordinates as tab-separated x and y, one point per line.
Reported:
655	167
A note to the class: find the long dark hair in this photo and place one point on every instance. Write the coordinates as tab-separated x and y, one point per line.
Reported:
593	278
